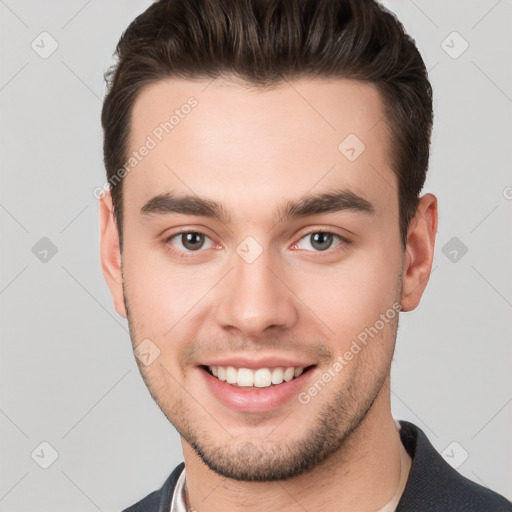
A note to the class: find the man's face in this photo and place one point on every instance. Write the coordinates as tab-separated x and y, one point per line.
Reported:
256	289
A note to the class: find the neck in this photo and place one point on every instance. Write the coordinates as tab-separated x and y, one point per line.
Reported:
367	473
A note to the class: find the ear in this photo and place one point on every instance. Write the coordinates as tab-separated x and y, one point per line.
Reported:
419	252
110	252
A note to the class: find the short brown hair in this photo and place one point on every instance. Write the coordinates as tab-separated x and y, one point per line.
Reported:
265	42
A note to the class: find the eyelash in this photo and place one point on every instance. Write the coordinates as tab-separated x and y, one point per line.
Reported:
344	242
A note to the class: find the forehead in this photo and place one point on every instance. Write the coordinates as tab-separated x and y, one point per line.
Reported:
244	145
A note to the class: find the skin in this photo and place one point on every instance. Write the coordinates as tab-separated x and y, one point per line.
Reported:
253	150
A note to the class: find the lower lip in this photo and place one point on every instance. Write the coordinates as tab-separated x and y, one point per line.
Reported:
245	399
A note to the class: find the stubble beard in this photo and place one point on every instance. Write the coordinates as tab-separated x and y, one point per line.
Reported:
253	461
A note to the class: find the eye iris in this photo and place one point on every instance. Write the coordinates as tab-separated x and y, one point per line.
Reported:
321	241
192	241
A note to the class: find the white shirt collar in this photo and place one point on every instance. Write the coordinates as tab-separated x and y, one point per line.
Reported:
179	503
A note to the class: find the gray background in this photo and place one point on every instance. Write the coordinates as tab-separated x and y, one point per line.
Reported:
68	375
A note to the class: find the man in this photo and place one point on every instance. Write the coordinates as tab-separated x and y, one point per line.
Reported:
262	232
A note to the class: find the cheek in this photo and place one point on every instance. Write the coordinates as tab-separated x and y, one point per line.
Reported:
166	305
352	296
160	293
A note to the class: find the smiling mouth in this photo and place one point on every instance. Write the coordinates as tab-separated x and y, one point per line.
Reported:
257	378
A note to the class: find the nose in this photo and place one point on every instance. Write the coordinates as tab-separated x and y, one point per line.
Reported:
255	299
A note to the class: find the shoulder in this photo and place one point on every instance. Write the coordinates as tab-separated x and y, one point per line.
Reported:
159	500
434	486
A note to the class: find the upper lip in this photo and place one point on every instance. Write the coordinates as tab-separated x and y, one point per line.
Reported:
254	364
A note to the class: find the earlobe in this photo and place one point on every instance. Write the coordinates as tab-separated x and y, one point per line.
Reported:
110	252
419	252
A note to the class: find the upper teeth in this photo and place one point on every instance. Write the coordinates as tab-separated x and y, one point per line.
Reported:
260	378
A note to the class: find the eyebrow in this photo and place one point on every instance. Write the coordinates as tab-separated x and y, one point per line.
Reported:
308	205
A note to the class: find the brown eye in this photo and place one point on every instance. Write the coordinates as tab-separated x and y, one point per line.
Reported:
192	241
188	242
321	240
